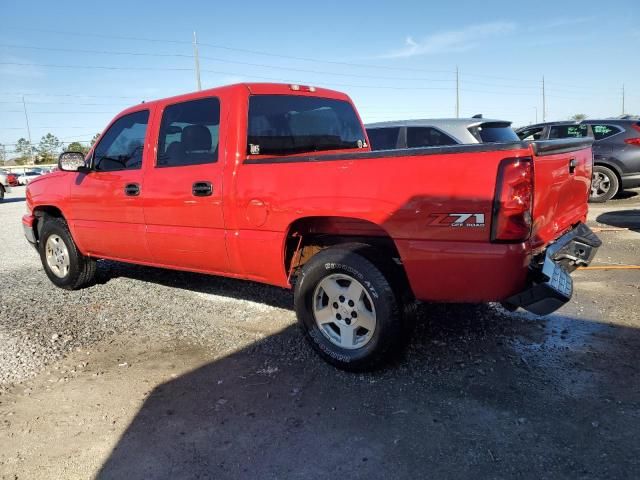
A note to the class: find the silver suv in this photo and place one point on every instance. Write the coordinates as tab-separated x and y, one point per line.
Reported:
438	132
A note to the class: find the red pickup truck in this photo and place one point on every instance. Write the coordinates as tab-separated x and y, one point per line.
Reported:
277	184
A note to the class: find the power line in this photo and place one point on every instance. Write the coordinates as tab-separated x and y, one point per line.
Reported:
74	95
280	67
275	55
104	67
233	49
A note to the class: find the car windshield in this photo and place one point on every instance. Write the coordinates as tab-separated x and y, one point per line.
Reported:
285	124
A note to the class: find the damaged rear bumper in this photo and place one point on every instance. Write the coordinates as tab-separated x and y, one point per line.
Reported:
550	285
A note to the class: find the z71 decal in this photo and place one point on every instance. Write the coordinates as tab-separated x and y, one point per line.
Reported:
472	220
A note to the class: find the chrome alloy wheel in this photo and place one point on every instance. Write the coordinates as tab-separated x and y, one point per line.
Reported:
600	185
344	311
57	256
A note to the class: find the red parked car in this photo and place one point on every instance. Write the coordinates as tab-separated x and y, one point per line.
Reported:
277	184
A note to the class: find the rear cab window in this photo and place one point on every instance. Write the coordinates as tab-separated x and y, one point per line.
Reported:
292	124
494	132
385	138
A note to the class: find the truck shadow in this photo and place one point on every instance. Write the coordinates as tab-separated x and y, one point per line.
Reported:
12	200
196	282
622	218
481	393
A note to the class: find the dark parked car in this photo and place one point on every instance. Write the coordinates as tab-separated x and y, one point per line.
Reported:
616	151
438	132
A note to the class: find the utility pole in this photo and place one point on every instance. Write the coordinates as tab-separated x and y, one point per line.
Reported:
197	60
24	105
623	109
457	92
544	102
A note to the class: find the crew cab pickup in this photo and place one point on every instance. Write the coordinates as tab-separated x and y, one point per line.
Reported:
277	184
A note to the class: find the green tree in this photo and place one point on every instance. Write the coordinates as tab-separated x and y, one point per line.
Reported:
3	154
48	149
25	151
95	138
77	147
578	117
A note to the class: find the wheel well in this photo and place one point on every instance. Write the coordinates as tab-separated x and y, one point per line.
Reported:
41	213
308	236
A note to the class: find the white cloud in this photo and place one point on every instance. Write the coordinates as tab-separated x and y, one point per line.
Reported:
560	22
453	40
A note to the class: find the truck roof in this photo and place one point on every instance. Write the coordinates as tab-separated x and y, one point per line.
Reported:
247	88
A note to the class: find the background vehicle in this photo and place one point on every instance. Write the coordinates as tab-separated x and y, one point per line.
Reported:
26	177
438	132
5	183
275	183
616	151
12	178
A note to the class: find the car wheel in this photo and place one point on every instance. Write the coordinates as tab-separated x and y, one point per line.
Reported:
348	310
1	193
65	266
604	184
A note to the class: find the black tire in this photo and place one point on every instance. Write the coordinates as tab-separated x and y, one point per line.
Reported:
81	270
603	176
389	334
1	193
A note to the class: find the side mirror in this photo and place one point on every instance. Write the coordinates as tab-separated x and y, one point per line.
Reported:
72	162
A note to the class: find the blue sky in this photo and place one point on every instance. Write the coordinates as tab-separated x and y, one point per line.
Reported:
396	59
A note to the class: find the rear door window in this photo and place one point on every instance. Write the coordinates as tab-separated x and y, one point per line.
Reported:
568	131
288	124
383	138
604	131
189	133
427	137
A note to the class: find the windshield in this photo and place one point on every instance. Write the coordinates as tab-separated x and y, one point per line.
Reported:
286	124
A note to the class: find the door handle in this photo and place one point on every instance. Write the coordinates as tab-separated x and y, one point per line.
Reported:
573	163
202	189
132	190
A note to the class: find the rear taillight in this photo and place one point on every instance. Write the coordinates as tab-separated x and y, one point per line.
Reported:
634	141
513	201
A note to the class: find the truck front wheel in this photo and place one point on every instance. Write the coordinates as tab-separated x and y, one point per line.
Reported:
65	266
347	309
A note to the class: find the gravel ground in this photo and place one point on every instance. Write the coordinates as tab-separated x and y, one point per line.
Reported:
157	374
39	323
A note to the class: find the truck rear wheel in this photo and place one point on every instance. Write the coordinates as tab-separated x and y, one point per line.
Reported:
65	266
348	310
